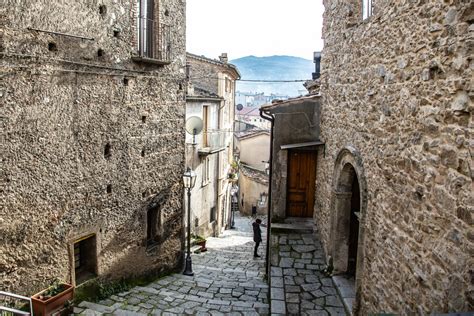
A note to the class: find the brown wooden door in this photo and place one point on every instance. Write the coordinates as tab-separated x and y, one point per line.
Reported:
301	183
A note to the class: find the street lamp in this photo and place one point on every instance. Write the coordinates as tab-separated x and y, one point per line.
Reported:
189	180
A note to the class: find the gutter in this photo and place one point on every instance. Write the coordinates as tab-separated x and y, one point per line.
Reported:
269	117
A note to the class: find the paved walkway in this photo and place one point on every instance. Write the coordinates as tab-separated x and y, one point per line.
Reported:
227	281
298	287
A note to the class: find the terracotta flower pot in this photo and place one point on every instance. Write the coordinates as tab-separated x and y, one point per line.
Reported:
203	245
45	307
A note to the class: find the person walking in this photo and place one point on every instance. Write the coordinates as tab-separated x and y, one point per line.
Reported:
257	236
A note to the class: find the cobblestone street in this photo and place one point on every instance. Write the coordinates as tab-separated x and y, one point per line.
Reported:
298	287
227	280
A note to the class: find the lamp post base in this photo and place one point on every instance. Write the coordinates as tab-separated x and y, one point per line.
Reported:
188	268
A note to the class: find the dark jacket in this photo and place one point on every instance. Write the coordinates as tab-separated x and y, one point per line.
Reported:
257	233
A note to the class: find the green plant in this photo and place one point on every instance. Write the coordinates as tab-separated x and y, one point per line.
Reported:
56	287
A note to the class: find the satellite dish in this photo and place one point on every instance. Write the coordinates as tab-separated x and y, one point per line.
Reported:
194	125
239	107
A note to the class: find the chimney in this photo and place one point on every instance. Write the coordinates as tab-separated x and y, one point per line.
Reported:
317	64
223	58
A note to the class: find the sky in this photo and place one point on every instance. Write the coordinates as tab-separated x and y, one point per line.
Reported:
254	27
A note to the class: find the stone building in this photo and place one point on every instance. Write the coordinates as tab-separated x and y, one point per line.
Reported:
394	202
92	118
295	145
211	97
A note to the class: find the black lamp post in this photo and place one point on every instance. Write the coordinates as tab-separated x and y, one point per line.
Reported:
189	180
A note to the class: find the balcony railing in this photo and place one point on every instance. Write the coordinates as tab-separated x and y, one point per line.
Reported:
214	140
154	40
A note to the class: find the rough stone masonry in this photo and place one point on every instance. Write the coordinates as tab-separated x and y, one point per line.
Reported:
92	141
397	95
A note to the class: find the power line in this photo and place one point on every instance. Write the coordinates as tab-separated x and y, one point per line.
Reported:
255	80
263	80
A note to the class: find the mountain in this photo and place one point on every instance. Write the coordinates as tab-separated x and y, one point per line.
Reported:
273	68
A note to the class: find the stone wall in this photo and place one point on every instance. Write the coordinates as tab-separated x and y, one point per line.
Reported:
90	141
397	90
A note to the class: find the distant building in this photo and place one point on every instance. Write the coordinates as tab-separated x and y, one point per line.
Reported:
248	99
210	97
252	149
251	115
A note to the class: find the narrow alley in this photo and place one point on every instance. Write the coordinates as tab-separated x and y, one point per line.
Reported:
227	280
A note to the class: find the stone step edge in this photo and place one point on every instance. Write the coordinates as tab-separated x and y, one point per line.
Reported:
173	294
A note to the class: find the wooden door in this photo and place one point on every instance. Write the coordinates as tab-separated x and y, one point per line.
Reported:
301	183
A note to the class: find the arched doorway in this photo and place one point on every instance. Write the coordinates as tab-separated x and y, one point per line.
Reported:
349	204
347	213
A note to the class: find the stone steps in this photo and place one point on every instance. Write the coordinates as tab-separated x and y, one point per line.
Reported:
130	305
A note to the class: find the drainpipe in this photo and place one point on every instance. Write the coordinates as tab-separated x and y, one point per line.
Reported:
270	118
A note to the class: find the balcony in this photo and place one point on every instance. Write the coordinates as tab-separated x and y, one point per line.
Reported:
214	141
154	42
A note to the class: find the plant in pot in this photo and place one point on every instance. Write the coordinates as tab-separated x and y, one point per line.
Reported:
198	240
53	298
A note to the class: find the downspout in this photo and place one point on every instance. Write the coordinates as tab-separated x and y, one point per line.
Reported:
270	118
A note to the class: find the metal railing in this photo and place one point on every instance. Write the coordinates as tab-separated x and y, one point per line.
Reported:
154	39
216	138
11	298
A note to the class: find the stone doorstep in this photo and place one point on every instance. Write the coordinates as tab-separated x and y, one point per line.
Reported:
283	228
346	291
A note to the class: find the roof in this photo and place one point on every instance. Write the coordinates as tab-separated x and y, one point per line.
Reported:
230	67
252	111
251	133
256	175
279	103
203	94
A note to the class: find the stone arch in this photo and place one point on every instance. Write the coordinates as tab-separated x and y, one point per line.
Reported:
349	179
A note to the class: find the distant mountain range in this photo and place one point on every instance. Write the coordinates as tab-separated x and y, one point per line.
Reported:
273	68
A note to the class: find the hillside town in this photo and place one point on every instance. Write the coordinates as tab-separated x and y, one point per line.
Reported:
137	179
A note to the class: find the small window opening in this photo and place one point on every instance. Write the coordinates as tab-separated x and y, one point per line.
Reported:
143	152
213	214
143	119
116	33
167	12
144	194
109	188
100	52
196	222
85	259
366	9
153	222
107	153
125	81
52	47
180	86
102	10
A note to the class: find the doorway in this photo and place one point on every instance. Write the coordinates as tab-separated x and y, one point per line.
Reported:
353	227
301	183
347	211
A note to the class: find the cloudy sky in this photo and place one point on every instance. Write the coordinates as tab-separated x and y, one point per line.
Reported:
254	27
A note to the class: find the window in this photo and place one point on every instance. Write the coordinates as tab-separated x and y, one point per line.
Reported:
145	27
205	124
212	217
366	8
206	166
85	259
153	224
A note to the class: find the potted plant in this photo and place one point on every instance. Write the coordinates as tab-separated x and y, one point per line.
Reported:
198	240
52	299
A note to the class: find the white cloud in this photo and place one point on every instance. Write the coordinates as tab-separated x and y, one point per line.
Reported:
254	27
